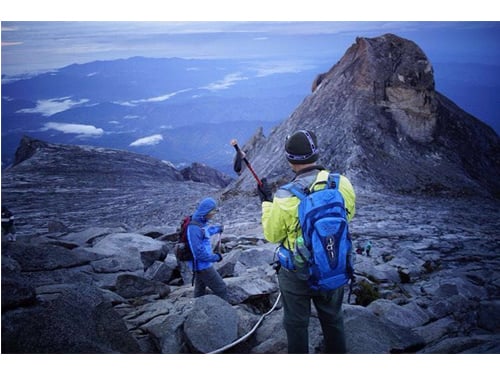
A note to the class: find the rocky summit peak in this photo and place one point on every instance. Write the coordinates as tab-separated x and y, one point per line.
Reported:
27	148
380	121
393	73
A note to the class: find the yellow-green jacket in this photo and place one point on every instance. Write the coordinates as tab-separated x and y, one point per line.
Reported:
280	217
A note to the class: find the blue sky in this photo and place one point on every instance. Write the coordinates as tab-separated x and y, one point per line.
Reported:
43	45
262	30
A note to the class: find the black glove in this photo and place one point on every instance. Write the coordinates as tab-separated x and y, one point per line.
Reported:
220	257
264	190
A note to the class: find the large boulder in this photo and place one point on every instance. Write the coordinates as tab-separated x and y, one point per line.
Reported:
211	324
78	320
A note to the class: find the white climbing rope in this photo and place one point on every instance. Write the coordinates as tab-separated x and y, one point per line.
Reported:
243	338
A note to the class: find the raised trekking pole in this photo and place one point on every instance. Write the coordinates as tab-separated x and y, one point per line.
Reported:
240	154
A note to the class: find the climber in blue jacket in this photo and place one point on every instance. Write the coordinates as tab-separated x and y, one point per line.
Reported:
198	235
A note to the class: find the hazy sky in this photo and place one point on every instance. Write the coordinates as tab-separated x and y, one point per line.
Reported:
44	45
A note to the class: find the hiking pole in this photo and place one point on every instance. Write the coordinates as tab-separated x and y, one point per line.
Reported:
240	154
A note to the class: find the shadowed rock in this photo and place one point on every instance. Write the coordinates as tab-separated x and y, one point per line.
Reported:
77	321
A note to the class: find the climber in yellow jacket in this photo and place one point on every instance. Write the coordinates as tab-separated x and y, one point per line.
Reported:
280	223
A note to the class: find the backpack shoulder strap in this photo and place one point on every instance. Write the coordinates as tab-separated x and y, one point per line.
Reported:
194	222
295	190
322	181
333	180
198	224
301	188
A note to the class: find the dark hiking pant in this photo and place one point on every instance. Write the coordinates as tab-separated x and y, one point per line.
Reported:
209	278
297	296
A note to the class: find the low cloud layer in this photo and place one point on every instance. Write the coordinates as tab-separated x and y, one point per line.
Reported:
79	129
50	107
148	141
226	82
160	98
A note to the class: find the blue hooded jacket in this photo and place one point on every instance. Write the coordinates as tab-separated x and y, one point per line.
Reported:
199	236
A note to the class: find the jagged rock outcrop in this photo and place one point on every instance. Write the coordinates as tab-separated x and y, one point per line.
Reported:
27	149
74	319
380	121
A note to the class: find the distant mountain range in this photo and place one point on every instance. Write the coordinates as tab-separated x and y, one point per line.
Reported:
173	109
182	110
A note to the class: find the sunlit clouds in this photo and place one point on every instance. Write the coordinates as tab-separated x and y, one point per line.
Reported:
279	67
223	84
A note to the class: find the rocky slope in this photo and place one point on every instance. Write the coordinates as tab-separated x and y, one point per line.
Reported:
81	186
430	285
375	111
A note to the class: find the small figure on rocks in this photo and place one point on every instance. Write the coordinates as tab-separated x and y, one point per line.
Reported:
368	248
8	227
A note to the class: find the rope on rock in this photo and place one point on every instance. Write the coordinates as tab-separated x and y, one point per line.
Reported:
243	338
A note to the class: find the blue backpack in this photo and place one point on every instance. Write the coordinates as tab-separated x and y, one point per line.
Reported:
325	231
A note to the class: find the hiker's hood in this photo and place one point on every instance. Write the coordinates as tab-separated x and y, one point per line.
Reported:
205	206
